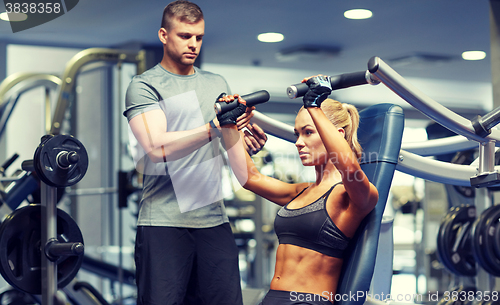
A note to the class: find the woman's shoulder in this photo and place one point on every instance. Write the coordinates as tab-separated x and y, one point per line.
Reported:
301	187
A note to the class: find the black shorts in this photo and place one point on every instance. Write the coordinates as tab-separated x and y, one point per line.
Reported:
279	297
187	266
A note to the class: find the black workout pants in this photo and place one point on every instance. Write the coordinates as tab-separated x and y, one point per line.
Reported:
280	297
181	266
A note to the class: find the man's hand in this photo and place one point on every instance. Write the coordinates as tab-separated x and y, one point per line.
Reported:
254	139
231	116
243	120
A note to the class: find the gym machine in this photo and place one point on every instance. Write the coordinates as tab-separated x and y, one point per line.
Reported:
412	160
77	62
15	85
15	189
66	97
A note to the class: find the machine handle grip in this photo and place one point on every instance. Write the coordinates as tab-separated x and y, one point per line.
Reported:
341	81
252	99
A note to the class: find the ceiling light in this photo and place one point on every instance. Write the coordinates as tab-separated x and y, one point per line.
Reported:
358	14
13	16
473	55
270	37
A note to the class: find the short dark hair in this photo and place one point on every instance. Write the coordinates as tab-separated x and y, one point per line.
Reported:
183	10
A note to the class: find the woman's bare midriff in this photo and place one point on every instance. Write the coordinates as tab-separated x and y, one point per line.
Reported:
304	270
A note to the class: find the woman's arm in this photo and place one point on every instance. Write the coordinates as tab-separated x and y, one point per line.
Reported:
363	195
247	173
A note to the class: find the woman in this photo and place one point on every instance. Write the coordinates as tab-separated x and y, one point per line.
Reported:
317	219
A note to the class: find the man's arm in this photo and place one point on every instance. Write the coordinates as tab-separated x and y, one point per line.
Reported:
149	126
149	129
254	138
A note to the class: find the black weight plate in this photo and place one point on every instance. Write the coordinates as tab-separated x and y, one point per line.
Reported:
441	243
20	249
478	241
488	239
36	160
496	244
490	242
461	254
440	240
46	165
453	244
453	256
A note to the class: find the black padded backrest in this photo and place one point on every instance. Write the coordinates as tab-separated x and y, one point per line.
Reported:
380	133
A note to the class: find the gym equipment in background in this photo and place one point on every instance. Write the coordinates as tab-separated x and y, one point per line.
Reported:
42	246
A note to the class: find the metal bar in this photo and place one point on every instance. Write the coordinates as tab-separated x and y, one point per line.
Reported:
49	230
491	119
48	111
433	170
274	127
439	146
10	179
427	148
425	104
91	191
75	64
15	85
486	157
410	162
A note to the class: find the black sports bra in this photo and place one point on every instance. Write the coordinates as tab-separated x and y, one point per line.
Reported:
311	227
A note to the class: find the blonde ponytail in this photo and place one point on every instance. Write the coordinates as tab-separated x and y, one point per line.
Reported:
352	134
344	116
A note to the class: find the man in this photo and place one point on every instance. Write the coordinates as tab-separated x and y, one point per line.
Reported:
185	252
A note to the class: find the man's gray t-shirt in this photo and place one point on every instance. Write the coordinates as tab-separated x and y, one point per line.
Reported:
186	192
